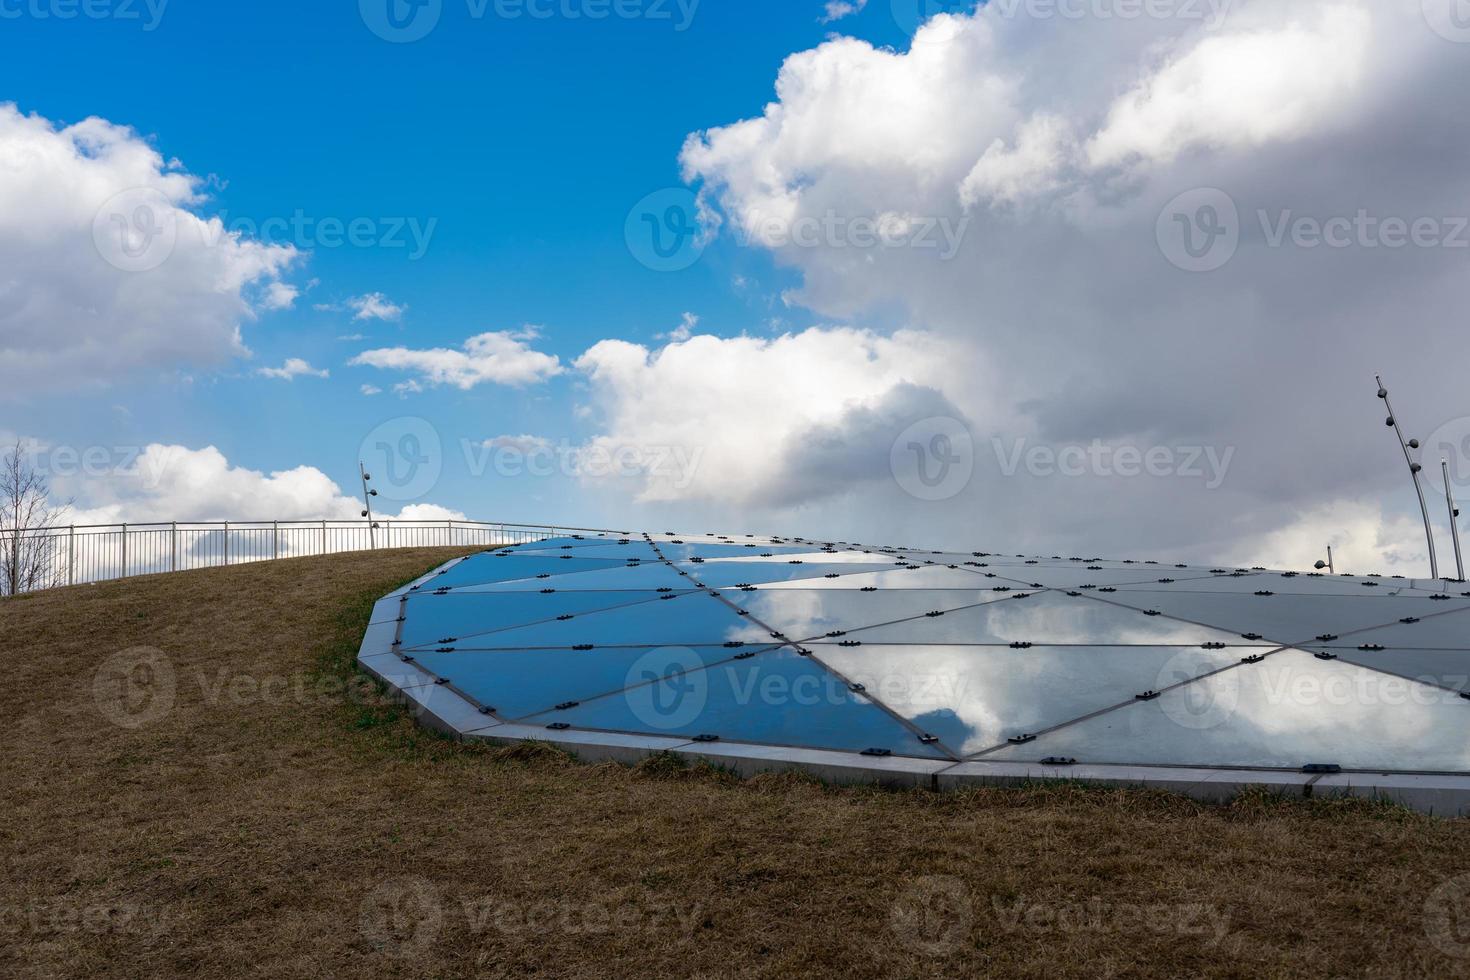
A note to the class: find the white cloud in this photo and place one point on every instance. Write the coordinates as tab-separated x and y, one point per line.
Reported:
294	368
429	512
1008	175
687	323
280	296
1066	143
763	422
176	483
503	358
1364	538
523	444
376	306
106	269
370	390
370	306
1249	87
836	10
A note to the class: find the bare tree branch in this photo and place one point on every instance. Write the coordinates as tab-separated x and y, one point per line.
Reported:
28	554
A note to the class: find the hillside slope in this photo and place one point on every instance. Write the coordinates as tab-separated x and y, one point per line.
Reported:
195	780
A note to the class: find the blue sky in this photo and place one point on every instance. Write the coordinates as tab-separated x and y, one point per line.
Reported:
941	256
524	141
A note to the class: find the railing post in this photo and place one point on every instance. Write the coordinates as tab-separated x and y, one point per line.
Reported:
125	552
227	542
71	556
324	537
275	539
173	547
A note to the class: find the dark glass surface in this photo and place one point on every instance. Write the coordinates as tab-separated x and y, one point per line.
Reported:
775	698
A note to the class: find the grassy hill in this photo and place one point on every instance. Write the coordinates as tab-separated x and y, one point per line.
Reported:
196	780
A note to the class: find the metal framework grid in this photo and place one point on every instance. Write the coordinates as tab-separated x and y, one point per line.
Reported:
868	664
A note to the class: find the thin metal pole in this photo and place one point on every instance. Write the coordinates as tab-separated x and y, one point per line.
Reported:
275	539
324	537
227	542
71	556
173	547
125	551
367	505
1449	498
1414	469
1331	567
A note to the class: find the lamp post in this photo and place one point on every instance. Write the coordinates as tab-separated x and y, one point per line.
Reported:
367	505
1331	569
1414	470
1449	498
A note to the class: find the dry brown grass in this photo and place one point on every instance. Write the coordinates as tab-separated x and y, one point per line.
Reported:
284	833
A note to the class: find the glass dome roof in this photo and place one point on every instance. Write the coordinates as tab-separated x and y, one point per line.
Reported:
785	643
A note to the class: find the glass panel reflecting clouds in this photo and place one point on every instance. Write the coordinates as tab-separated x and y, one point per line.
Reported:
978	697
973	656
1047	618
810	613
1450	631
1287	619
1288	711
1443	668
723	574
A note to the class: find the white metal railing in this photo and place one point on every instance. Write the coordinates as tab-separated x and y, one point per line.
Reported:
56	556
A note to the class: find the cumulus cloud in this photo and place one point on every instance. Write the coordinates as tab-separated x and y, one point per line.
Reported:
294	368
1070	144
106	267
1362	535
1278	79
763	422
429	512
503	358
176	483
280	296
